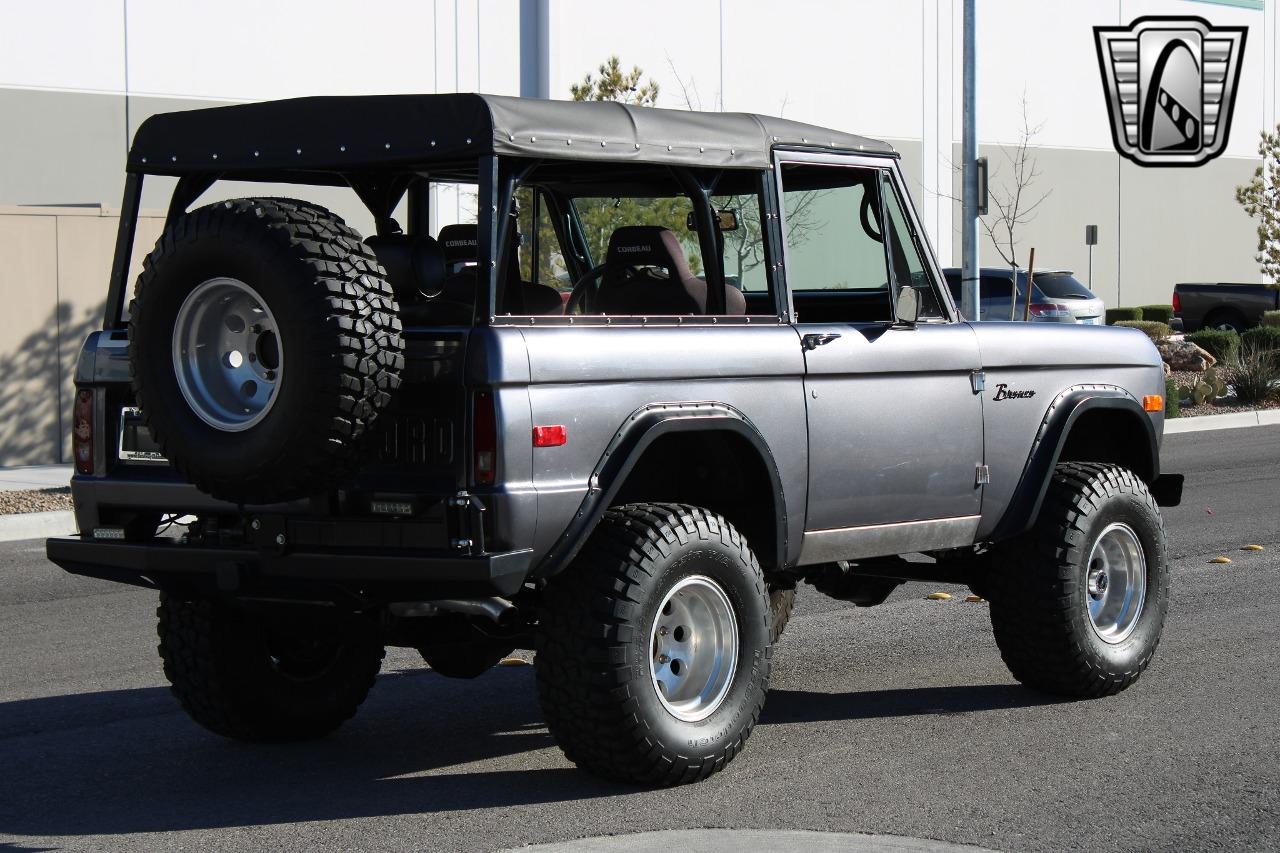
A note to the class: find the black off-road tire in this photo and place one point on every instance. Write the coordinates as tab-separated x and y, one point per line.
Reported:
593	648
235	677
338	327
461	650
1038	588
464	660
782	601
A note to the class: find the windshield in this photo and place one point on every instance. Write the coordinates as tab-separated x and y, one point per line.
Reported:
1063	286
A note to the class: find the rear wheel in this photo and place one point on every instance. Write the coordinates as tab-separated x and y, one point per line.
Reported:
654	646
1078	602
782	600
280	675
458	649
1227	320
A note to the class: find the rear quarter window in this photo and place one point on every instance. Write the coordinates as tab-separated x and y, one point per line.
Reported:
1063	287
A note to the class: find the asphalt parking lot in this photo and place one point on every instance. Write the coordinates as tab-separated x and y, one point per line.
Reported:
898	720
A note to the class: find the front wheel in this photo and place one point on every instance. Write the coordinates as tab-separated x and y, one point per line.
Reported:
654	646
1079	601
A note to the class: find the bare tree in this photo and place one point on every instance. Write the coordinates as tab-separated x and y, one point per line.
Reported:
1013	201
1015	205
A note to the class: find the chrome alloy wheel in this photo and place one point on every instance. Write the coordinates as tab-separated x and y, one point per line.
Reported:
1116	583
694	649
226	354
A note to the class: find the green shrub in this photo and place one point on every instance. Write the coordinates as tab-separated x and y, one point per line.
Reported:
1114	315
1271	318
1254	373
1219	343
1157	313
1261	338
1155	331
1172	399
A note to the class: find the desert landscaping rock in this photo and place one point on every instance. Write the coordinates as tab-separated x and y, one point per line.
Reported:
35	500
1184	355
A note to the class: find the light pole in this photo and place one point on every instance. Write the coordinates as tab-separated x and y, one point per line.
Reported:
969	174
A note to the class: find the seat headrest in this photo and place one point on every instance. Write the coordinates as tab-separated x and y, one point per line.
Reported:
415	265
648	246
460	243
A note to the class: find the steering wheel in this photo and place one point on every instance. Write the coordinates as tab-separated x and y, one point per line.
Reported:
582	298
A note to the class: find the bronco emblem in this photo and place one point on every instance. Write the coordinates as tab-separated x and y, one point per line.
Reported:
1003	393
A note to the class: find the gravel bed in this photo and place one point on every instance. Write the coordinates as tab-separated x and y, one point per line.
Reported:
35	500
1222	406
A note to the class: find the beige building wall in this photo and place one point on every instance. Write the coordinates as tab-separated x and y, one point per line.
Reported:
1156	226
54	281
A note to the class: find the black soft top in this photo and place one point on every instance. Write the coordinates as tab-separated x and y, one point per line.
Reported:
356	133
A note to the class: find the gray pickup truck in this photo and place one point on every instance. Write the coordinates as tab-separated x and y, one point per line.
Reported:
1233	307
678	364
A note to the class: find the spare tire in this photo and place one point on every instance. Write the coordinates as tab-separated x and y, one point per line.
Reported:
264	341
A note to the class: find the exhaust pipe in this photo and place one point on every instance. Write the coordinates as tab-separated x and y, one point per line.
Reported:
499	610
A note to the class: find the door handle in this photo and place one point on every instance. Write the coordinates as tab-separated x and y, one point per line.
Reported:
813	341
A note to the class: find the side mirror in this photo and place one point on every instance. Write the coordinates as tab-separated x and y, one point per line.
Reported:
908	307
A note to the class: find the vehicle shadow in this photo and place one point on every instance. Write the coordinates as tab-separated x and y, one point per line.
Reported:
130	761
802	706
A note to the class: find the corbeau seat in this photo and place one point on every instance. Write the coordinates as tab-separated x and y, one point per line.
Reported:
642	248
416	271
519	296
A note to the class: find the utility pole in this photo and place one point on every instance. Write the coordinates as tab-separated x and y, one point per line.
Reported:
969	195
535	48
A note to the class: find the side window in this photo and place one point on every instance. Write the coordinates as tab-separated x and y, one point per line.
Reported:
836	265
744	257
906	253
541	258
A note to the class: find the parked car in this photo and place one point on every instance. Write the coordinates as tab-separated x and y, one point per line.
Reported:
1222	305
1063	287
997	302
410	440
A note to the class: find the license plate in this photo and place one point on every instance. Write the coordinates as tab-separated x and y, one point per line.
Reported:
136	443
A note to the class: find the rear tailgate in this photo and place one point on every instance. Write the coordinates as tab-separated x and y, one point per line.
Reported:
412	457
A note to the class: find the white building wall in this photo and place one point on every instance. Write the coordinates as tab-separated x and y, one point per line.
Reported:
886	68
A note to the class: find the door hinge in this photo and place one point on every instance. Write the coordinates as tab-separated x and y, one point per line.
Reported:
978	379
984	476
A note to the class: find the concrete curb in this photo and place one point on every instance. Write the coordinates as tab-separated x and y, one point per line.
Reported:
1233	420
36	525
737	840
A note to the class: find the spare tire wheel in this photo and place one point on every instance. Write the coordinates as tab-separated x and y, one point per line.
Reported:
264	341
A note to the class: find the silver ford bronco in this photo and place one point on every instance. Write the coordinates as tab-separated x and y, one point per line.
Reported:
607	383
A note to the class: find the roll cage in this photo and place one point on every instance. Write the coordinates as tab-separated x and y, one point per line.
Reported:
501	145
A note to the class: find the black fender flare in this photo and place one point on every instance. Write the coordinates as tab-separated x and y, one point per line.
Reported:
1061	416
641	428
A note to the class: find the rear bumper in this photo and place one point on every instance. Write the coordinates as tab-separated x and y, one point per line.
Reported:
297	573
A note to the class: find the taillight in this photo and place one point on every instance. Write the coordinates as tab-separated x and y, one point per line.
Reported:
484	438
1177	302
1050	310
82	432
